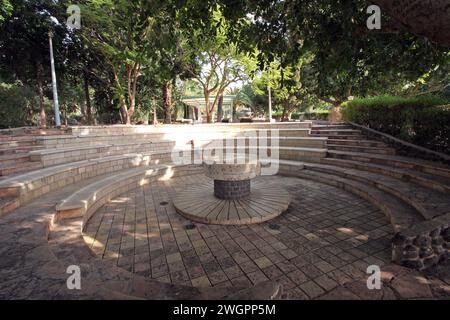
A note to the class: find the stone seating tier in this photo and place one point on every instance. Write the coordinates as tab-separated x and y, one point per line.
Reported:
51	157
122	129
412	193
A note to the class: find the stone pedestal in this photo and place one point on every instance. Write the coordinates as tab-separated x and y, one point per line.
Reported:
232	180
229	199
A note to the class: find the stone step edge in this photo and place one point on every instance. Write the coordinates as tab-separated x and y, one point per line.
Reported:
84	202
401	162
21	196
14	185
379	184
50	151
8	206
376	197
398	142
362	142
417	245
391	172
424	245
388	149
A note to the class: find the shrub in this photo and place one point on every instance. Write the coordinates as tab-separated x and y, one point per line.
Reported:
422	120
316	115
18	105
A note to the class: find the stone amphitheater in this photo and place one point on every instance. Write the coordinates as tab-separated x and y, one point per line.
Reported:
101	198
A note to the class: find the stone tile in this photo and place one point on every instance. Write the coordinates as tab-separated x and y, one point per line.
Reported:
298	277
272	272
326	282
324	266
263	262
233	272
217	277
201	282
241	282
311	289
257	277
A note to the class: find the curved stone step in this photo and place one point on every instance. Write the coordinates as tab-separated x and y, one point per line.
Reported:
10	159
366	149
362	143
8	204
17	168
55	156
282	141
272	153
331	127
394	161
340	137
437	183
85	201
18	149
398	212
33	184
336	132
429	203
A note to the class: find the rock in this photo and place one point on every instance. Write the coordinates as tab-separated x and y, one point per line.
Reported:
429	262
435	233
411	287
402	240
413	264
410	252
437	241
398	239
339	293
425	252
438	250
422	241
446	234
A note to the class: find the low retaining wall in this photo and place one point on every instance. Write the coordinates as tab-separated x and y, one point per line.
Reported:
403	147
423	245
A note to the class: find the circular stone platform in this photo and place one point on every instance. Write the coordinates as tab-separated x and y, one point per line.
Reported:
263	203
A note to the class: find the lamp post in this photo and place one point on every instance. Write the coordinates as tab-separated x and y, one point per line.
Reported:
55	89
270	103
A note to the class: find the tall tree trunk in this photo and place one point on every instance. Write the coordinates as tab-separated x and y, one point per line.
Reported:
208	111
124	111
426	18
154	115
220	109
167	102
88	99
42	116
131	109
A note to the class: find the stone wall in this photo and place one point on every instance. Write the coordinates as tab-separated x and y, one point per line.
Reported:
424	245
231	190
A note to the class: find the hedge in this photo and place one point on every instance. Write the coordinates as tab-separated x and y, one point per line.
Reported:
422	120
316	115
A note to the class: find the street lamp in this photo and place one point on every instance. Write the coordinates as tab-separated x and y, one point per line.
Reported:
270	103
55	89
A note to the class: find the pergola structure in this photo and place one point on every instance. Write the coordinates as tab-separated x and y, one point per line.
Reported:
195	107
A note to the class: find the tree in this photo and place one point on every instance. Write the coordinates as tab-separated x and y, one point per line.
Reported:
430	19
25	48
220	70
120	30
219	63
342	57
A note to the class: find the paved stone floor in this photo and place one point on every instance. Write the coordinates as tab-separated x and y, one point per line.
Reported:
326	238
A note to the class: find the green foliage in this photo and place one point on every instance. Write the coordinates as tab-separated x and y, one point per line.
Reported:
18	105
422	120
